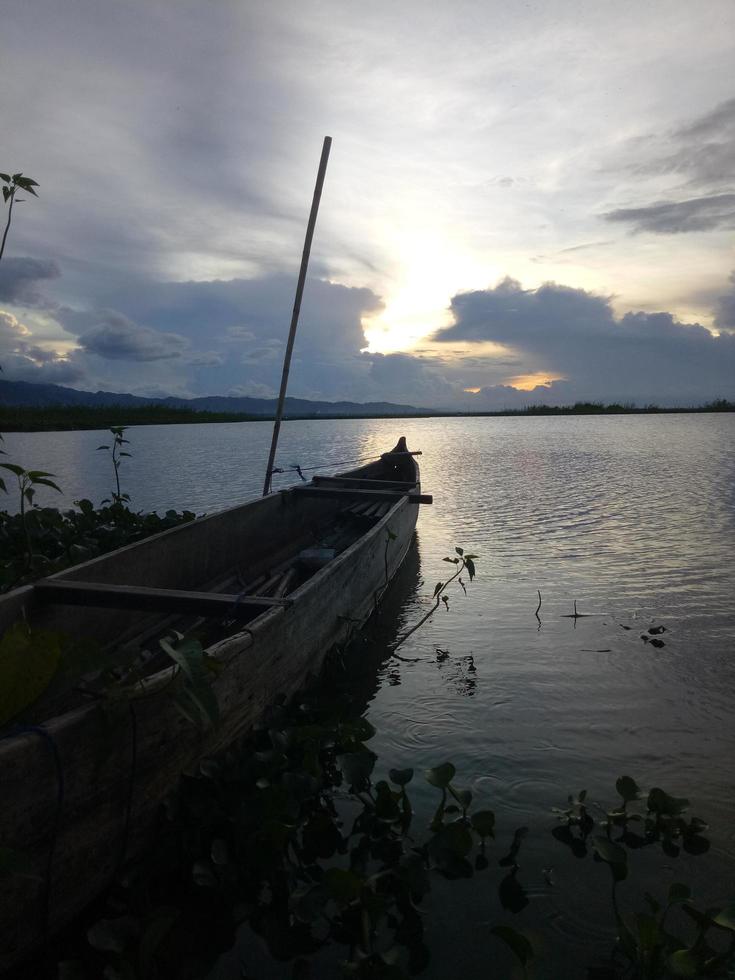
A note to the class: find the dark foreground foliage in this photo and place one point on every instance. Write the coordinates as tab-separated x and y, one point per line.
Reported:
291	841
44	540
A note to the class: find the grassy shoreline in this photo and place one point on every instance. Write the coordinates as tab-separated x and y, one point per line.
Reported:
56	418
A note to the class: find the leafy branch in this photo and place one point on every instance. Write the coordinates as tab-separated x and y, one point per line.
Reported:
28	480
11	185
116	452
463	563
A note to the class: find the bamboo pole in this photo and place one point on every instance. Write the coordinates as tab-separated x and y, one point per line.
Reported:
297	309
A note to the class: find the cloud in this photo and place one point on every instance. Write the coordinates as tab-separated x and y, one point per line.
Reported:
508	311
112	335
24	361
12	331
700	156
574	334
406	379
19	279
674	217
702	150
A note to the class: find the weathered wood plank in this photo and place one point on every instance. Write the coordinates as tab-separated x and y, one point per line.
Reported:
159	600
363	483
307	490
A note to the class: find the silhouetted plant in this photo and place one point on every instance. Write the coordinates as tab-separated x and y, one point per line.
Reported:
27	481
11	185
116	453
464	563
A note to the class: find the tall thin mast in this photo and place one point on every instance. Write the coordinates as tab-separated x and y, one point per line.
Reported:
297	308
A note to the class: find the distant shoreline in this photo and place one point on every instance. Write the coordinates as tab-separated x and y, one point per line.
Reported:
58	418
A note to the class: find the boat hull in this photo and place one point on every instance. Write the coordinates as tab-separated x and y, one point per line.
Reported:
81	794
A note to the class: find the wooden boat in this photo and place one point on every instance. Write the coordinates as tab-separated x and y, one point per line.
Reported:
290	575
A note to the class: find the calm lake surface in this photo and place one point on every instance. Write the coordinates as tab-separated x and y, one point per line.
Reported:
631	516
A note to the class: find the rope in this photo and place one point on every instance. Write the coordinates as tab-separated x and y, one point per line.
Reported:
51	742
328	463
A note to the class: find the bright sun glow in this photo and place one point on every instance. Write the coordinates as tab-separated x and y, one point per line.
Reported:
432	267
527	382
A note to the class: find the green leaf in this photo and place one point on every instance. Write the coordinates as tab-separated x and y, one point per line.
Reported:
437	588
28	662
460	551
360	729
47	483
665	805
627	788
452	561
463	796
683	963
5	177
516	942
483	823
726	917
470	566
401	777
441	776
14	468
189	656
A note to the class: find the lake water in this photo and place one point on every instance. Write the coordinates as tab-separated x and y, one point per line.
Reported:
631	516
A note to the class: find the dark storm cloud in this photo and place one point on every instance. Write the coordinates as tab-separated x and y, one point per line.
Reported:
508	311
253	310
702	154
408	379
214	336
20	279
674	217
704	149
574	334
112	335
160	139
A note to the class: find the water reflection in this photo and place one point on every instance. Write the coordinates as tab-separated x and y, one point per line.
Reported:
631	517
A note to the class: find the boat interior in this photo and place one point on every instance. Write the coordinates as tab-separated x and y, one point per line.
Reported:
211	578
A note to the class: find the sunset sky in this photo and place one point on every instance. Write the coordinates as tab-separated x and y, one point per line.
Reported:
525	202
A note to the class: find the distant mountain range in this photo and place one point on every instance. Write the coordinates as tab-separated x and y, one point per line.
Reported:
27	394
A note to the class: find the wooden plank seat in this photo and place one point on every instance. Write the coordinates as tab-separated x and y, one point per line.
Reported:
74	593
